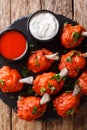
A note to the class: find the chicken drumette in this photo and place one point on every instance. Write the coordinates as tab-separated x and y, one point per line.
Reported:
72	36
73	61
9	80
66	104
30	108
41	60
81	84
50	82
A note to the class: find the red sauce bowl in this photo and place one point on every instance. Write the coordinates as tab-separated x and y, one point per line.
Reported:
13	45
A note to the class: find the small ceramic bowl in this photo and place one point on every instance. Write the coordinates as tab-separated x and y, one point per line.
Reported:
10	43
43	25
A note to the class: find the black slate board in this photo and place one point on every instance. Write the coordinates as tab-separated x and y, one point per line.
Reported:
55	46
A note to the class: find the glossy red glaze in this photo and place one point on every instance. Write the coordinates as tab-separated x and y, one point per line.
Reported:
44	83
73	62
9	80
29	108
82	83
38	62
66	104
67	39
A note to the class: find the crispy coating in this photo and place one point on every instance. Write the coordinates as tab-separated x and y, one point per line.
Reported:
71	36
66	104
9	80
38	62
73	61
29	108
82	83
47	82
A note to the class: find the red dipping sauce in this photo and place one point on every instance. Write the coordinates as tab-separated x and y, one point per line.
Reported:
13	45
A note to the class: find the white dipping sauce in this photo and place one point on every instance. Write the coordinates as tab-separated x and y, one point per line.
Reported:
43	26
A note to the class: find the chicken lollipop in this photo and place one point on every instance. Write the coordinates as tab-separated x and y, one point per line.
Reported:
9	80
50	82
81	84
66	104
41	60
72	36
73	61
30	108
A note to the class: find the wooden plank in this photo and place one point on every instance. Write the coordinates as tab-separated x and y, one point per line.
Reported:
4	14
81	119
80	12
20	8
5	116
80	15
58	6
18	124
54	125
68	123
5	111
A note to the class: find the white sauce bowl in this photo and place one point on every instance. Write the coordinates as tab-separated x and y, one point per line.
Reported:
43	25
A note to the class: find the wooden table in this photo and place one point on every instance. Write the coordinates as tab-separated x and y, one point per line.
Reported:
11	10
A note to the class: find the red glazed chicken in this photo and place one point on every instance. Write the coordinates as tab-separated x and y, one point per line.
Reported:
71	36
9	80
66	104
29	108
41	60
81	84
74	61
50	83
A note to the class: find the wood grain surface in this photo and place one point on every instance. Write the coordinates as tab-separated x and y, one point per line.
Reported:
11	10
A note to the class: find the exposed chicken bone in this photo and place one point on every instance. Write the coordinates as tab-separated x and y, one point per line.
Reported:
45	98
77	89
84	34
84	54
54	56
27	80
63	72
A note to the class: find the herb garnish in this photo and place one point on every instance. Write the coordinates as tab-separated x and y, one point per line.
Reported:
74	52
65	78
71	111
65	51
42	90
31	46
77	81
69	59
52	88
76	36
24	71
28	92
65	24
43	112
1	82
56	77
77	69
37	64
68	91
11	97
79	54
35	109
